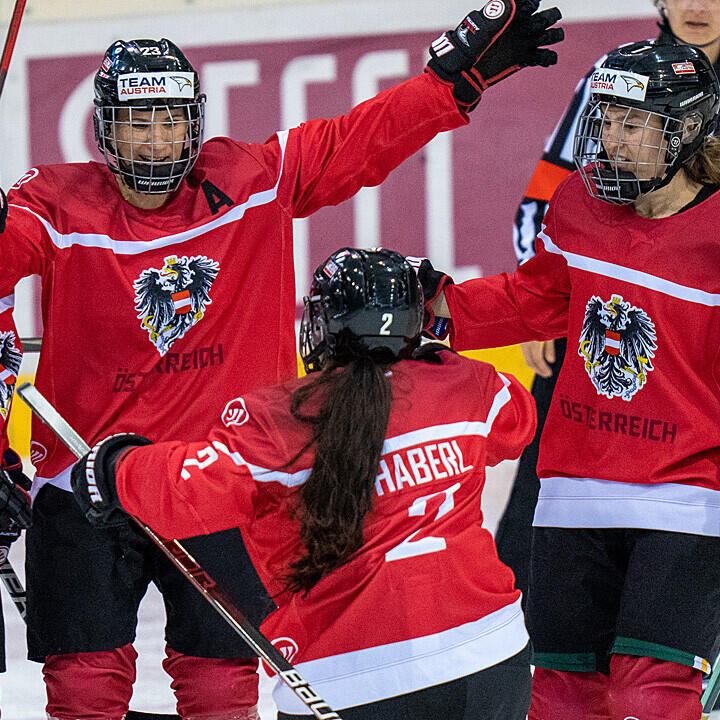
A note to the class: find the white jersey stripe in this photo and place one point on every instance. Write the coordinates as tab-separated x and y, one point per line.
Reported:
7	303
364	676
593	503
463	428
629	275
449	430
123	247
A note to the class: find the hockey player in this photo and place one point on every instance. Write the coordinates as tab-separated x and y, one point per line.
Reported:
695	22
167	279
357	490
624	601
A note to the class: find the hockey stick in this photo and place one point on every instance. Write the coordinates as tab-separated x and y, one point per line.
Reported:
31	344
10	41
187	565
14	587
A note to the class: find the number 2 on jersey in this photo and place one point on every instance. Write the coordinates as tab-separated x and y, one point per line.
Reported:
410	547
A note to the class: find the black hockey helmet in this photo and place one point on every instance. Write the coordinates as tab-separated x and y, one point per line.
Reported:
147	100
361	301
677	88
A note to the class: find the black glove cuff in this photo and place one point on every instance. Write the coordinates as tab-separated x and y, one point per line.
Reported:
433	281
15	509
93	479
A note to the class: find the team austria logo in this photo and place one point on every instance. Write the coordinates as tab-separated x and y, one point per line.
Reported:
10	359
617	342
172	299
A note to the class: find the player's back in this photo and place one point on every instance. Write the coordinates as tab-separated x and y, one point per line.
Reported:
426	590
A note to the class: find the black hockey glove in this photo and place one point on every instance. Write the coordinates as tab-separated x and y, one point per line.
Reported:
492	43
15	510
3	210
93	480
433	282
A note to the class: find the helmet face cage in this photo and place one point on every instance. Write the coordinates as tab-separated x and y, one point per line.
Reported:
152	147
314	337
642	153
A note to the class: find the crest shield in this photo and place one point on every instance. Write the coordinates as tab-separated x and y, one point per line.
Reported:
10	359
617	342
171	299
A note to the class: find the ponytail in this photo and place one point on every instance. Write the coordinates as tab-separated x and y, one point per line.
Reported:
348	433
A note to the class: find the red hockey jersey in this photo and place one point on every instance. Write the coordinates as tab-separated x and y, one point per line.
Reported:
152	317
631	438
425	600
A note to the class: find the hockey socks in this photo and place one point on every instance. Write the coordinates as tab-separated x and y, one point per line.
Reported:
91	686
213	688
651	689
640	688
560	695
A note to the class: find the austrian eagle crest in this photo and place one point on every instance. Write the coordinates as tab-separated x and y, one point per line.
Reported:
172	299
618	344
10	359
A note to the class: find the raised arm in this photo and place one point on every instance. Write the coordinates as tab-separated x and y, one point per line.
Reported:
530	304
327	161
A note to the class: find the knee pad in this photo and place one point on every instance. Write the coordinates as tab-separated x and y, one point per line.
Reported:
650	689
213	688
91	686
561	695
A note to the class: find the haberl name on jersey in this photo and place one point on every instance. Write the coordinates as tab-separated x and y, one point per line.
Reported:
435	461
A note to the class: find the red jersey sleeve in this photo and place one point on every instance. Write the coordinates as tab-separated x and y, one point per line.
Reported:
530	304
26	250
514	418
328	161
185	489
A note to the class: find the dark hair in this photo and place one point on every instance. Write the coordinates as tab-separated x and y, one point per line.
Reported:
348	432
